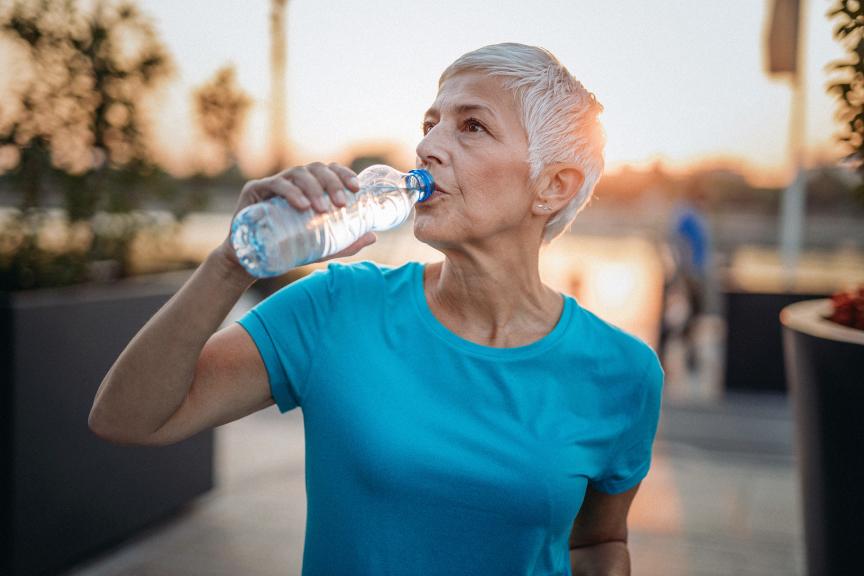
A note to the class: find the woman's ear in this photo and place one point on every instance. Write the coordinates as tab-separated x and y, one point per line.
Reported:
565	181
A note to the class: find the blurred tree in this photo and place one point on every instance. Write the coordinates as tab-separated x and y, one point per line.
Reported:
76	125
221	106
848	84
363	161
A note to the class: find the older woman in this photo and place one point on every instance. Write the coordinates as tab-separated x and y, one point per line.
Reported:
461	417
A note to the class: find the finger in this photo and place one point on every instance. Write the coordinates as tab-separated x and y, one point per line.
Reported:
330	181
310	187
359	244
292	193
249	186
348	177
254	191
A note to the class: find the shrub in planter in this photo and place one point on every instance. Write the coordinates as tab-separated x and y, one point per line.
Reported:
847	308
74	138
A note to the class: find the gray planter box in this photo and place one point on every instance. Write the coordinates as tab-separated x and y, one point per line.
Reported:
66	494
825	365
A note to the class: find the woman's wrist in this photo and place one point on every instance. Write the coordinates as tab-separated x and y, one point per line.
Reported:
229	268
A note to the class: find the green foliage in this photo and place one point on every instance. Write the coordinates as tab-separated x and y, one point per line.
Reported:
29	265
848	82
77	133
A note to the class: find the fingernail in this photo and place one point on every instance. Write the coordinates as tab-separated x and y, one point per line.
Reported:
355	181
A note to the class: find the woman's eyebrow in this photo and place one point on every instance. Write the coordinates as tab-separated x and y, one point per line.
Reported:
462	109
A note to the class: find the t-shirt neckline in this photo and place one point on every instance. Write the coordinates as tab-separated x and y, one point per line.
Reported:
453	339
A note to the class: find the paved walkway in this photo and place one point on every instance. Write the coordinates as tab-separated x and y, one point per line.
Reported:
721	499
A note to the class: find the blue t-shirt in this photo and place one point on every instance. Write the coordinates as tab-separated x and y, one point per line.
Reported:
427	453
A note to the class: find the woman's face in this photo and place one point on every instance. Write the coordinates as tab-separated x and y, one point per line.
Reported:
477	150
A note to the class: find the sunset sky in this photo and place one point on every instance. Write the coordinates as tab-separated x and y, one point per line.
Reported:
681	81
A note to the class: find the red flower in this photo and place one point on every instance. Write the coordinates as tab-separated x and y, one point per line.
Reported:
848	308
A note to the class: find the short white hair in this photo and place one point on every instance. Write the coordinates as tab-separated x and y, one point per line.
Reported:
559	115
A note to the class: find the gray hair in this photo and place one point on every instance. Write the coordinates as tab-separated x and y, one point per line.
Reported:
559	116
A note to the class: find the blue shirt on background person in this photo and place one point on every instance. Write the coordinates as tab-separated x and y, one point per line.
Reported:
691	234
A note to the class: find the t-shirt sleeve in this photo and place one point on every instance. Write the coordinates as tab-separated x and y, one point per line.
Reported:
631	457
286	327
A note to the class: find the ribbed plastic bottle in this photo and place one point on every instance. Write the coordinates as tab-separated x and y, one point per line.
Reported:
272	237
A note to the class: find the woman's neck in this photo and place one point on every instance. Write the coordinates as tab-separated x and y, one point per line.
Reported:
492	301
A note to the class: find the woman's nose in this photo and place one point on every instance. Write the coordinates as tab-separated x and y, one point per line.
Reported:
430	150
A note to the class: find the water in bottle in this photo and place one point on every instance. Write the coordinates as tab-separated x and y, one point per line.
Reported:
271	237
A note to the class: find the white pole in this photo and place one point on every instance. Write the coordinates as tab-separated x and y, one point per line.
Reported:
277	85
794	197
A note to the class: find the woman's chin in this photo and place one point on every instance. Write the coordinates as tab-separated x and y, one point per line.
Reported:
428	230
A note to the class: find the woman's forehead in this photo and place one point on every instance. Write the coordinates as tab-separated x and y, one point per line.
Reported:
472	91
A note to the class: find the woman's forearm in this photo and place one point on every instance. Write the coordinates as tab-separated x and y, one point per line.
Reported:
606	559
152	376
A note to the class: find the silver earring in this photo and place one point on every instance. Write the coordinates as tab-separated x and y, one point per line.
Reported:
543	206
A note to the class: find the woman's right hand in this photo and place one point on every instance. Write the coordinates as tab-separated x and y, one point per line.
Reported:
303	187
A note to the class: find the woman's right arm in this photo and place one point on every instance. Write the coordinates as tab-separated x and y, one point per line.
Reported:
178	376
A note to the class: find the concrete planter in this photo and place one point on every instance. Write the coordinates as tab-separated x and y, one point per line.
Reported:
66	494
825	368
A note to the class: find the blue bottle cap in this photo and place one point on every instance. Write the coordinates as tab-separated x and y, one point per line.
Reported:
424	182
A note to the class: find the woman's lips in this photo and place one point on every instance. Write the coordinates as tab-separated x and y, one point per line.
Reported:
434	196
437	192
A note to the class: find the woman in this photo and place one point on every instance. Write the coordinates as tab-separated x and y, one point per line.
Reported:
461	417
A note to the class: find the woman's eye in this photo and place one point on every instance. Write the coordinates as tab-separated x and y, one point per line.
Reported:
473	125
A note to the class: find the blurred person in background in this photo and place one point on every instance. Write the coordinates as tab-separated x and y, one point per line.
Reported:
461	417
689	243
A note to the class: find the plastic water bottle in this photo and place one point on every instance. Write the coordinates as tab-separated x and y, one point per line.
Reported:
271	237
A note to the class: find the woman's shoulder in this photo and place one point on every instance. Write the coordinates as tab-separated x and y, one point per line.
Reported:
616	345
366	270
366	279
